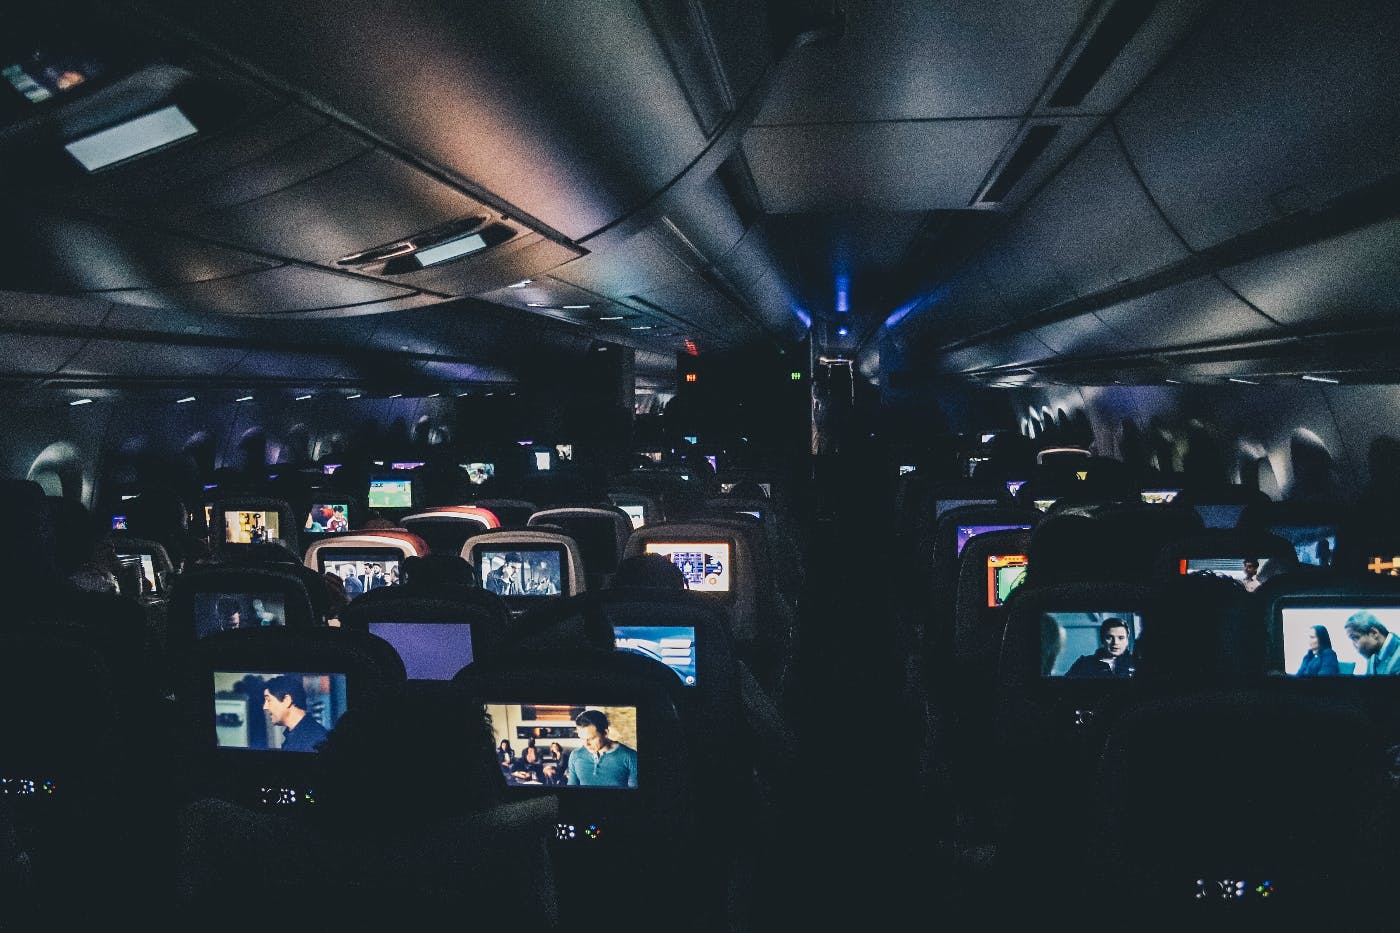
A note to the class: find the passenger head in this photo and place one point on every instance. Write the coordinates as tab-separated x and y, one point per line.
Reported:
1113	635
230	612
437	569
1366	632
654	570
1251	567
593	729
1319	638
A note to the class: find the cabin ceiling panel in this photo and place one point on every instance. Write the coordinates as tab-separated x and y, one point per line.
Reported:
274	291
640	263
1194	312
899	166
1348	279
900	61
264	150
1082	334
69	252
38	355
311	367
1256	118
126	358
1094	224
368	201
71	310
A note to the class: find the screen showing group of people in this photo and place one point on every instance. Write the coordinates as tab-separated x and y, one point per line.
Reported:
328	517
479	473
220	612
558	745
277	711
672	645
1340	641
705	566
1315	544
361	573
251	527
1250	571
1086	645
521	572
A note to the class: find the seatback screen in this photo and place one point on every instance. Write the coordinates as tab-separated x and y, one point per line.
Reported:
277	711
704	565
479	473
672	645
326	517
967	532
251	526
391	493
430	650
1315	544
520	571
1340	641
218	612
566	745
1159	496
1089	645
637	513
362	570
1251	571
149	582
1005	572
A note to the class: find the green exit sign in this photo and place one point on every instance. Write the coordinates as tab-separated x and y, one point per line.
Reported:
796	376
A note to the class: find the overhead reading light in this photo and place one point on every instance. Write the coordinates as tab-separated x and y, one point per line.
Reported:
131	139
1327	379
521	284
182	401
81	401
1243	382
245	398
843	331
349	397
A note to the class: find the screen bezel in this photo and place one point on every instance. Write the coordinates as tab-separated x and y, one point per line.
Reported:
533	547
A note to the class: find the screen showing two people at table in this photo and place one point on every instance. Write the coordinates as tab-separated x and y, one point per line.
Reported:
251	526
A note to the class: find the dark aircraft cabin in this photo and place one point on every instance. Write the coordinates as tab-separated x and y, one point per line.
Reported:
702	466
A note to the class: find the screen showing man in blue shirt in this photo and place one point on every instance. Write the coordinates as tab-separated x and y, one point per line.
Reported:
601	762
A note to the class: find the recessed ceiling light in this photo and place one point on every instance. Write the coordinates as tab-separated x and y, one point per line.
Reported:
459	246
490	393
1328	379
187	398
841	332
245	398
397	395
1244	382
643	326
576	307
463	394
130	139
614	317
81	401
435	395
536	304
1173	382
349	397
302	398
521	284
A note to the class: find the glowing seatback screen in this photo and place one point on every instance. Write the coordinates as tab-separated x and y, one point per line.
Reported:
390	494
566	745
1318	641
215	612
1005	572
1089	645
430	650
277	711
672	645
251	526
704	565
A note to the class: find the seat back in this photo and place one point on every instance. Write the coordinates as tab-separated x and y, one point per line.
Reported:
601	534
512	513
641	507
447	527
